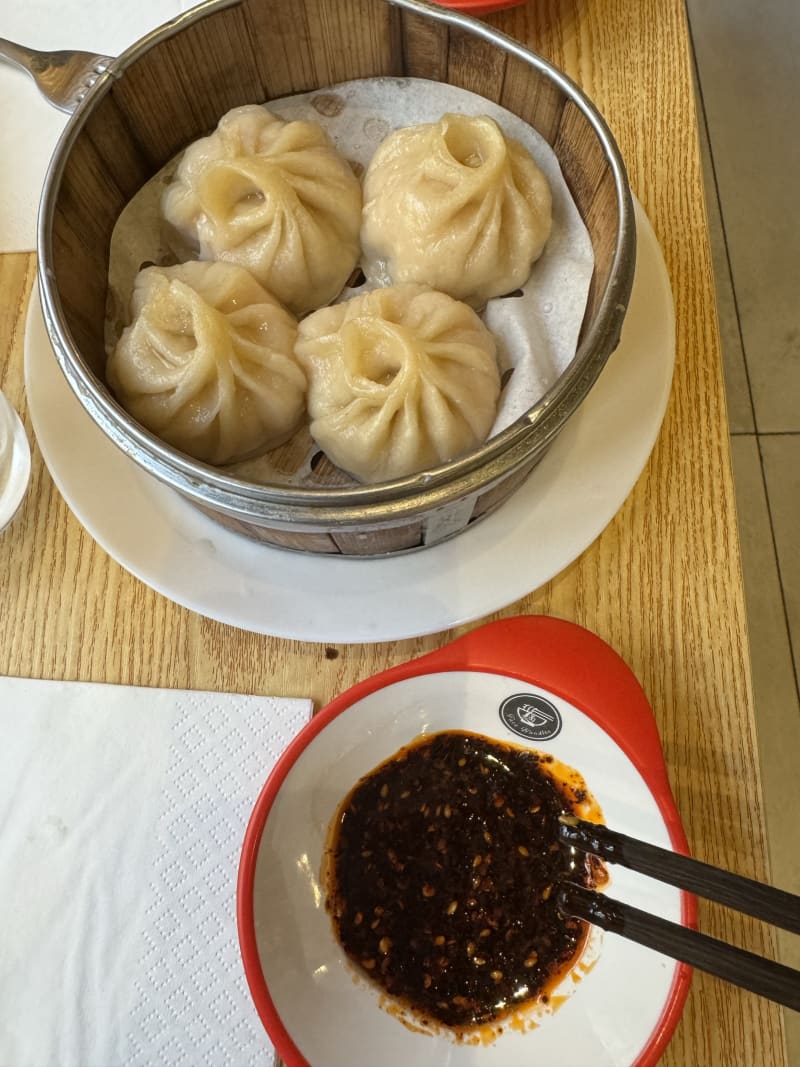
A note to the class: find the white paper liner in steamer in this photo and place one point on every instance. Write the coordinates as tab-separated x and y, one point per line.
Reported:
537	331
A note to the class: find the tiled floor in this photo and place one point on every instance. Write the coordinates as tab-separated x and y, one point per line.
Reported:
748	79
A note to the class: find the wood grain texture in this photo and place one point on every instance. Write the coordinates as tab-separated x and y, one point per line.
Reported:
475	65
158	97
425	47
662	584
532	97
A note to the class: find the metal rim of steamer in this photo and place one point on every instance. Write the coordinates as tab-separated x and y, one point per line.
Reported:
406	498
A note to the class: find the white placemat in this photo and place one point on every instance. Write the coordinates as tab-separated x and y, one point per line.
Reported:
122	812
29	126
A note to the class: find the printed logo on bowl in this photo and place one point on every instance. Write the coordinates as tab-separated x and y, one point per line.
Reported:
531	716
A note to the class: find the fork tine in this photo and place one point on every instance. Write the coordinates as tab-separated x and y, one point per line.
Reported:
62	77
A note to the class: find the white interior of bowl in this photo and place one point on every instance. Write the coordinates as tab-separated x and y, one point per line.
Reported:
335	1018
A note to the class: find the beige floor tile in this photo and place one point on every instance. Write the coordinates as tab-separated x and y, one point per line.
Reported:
749	72
774	686
781	458
791	1023
775	692
737	387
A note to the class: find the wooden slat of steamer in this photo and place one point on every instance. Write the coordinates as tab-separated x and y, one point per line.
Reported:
360	39
376	541
591	183
181	87
303	45
307	542
534	99
128	166
475	65
425	47
89	202
281	43
581	156
103	171
368	542
601	222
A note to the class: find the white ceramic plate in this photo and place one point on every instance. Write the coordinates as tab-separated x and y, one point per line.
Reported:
563	506
315	1011
15	462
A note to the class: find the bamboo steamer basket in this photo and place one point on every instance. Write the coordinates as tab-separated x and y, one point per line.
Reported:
171	88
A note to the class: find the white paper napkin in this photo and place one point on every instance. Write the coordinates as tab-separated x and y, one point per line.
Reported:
122	814
29	126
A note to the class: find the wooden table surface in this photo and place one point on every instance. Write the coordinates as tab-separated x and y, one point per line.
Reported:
662	585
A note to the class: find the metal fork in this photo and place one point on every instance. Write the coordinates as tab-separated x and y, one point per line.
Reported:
63	78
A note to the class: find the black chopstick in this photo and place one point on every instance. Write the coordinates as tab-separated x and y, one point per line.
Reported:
734	890
735	965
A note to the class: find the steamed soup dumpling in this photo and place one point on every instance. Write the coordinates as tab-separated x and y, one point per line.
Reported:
207	363
274	197
457	205
400	380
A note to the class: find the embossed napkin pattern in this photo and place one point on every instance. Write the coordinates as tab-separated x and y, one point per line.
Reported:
123	811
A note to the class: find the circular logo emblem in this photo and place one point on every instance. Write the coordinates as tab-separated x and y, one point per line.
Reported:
530	716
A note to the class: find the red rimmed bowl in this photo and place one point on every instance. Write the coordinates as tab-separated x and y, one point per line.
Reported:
623	1010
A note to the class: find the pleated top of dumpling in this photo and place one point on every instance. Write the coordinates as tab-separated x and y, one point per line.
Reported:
400	380
207	363
457	205
274	197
